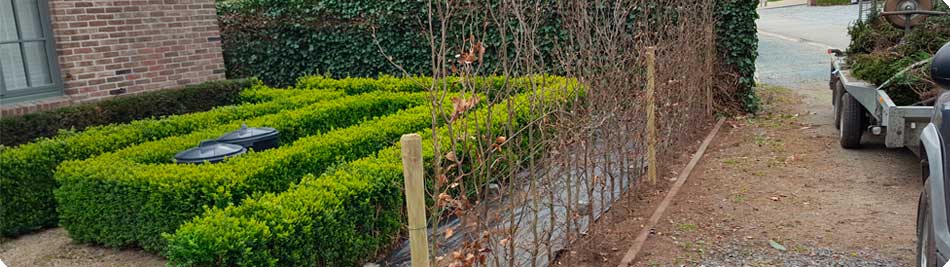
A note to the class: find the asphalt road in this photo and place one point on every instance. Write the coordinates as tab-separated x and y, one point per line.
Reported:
822	25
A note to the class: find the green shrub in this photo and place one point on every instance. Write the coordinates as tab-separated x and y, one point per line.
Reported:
17	130
337	219
489	85
878	51
130	197
832	2
281	40
26	179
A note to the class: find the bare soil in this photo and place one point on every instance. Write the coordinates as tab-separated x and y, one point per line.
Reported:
779	176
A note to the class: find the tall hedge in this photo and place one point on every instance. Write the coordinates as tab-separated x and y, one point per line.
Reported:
280	40
737	43
17	130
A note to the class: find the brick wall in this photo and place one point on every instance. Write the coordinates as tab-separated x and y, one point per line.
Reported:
117	47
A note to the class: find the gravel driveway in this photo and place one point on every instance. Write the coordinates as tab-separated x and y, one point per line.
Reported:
779	178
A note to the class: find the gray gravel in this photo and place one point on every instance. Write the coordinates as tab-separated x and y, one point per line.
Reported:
796	65
755	255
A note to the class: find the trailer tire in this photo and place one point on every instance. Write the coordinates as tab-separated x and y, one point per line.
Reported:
853	122
838	89
899	21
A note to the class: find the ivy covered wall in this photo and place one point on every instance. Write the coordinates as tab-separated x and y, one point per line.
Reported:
738	43
280	40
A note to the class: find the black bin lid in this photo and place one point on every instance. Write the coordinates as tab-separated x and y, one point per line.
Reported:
211	151
248	134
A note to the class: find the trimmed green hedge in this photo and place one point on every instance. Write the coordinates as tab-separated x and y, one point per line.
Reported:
337	219
17	130
26	179
832	2
490	85
130	197
280	40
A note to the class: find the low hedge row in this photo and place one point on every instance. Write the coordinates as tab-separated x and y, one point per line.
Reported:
337	219
489	85
130	197
17	130
26	179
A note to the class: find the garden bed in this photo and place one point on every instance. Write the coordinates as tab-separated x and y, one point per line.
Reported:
118	186
338	218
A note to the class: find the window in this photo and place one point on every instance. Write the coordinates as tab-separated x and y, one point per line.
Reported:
28	64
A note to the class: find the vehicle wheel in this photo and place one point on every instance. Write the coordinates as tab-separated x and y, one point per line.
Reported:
853	123
836	103
926	245
899	21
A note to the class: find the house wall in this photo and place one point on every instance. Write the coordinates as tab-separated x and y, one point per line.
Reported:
119	47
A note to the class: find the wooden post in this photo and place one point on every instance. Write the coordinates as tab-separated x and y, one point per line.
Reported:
710	53
651	114
412	170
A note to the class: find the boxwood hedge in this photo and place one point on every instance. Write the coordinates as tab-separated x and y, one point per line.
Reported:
15	130
130	197
358	85
26	179
337	219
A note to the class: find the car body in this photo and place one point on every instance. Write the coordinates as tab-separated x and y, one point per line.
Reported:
933	222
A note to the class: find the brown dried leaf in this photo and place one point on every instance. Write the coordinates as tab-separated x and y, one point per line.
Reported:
501	139
441	181
460	106
449	232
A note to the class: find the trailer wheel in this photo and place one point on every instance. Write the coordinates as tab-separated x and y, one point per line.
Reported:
853	122
899	21
838	89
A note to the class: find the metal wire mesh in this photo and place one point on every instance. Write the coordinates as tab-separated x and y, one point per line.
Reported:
521	203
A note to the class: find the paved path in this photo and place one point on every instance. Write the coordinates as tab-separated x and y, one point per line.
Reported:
822	25
782	3
791	64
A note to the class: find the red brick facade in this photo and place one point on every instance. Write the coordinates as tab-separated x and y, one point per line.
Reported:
119	47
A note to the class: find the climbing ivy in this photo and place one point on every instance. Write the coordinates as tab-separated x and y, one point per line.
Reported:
280	40
737	43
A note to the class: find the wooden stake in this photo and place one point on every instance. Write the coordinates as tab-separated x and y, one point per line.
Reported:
651	114
710	53
412	170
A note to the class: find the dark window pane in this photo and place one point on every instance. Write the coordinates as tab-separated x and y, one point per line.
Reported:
7	24
29	17
38	63
12	63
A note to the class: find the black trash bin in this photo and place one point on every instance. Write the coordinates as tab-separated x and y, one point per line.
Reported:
257	138
209	151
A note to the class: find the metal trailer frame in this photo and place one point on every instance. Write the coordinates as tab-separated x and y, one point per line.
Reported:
900	125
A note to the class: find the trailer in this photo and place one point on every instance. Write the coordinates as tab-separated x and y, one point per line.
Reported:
861	107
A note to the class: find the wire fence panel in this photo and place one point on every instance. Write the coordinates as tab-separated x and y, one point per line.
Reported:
515	190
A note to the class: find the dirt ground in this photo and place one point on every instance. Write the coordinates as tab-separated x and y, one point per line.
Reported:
53	247
772	190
